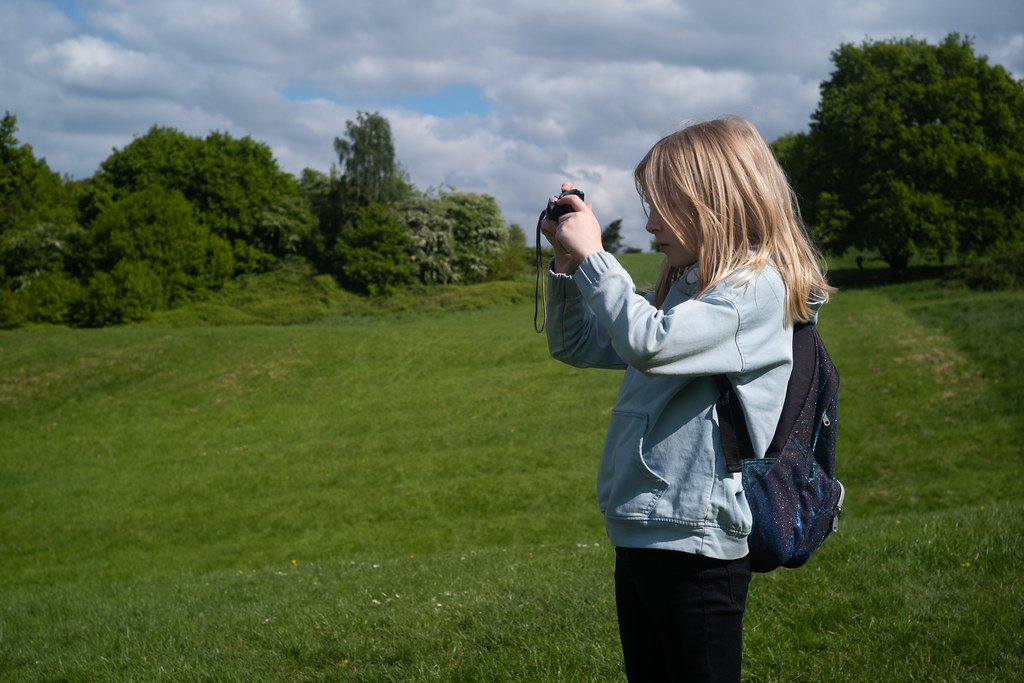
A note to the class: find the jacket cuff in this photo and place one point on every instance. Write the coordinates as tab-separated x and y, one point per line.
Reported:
589	274
561	285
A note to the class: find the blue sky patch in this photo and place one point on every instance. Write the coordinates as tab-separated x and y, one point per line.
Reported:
451	102
70	9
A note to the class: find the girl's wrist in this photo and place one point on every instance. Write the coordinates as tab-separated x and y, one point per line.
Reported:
564	264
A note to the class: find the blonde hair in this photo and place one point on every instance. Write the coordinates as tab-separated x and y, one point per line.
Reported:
720	190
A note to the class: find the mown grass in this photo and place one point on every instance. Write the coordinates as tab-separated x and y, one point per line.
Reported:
410	496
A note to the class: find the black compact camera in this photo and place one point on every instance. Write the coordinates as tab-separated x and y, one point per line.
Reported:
556	211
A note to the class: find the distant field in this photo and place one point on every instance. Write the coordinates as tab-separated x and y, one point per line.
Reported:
410	497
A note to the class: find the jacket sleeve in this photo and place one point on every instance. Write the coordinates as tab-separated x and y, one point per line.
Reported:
574	335
731	329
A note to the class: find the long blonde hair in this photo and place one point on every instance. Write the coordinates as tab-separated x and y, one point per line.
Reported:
719	188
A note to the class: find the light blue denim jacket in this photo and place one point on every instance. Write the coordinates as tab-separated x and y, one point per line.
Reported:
662	481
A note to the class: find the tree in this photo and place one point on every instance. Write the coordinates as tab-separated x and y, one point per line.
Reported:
290	228
154	233
370	256
370	172
611	237
131	291
43	247
40	265
479	231
235	186
39	235
460	237
913	149
515	256
30	193
320	192
431	246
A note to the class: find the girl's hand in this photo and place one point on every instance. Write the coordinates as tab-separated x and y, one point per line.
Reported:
575	236
563	259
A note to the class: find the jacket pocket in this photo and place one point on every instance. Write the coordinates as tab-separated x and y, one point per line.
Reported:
626	486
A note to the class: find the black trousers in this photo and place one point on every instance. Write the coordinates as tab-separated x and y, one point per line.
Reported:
680	615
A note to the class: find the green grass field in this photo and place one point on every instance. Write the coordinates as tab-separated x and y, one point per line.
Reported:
410	497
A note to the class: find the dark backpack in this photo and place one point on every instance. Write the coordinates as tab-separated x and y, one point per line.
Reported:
792	492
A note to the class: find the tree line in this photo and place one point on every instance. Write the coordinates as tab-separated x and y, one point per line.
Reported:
914	149
170	218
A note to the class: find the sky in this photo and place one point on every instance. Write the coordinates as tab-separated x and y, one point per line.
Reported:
502	98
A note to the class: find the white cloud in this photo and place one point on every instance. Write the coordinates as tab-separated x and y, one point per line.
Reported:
578	90
93	66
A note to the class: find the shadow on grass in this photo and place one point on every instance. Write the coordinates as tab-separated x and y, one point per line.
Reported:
874	276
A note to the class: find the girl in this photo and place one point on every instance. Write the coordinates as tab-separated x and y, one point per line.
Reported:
738	271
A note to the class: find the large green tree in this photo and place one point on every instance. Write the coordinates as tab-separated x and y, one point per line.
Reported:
914	148
158	232
234	184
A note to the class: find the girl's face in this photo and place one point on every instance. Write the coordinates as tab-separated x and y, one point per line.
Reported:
669	243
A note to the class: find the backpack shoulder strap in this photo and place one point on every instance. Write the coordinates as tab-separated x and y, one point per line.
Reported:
802	379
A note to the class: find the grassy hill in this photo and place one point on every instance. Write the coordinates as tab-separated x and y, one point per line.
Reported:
410	495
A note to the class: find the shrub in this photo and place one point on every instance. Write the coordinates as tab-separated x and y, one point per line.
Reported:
53	297
129	293
14	310
370	255
99	306
1002	271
